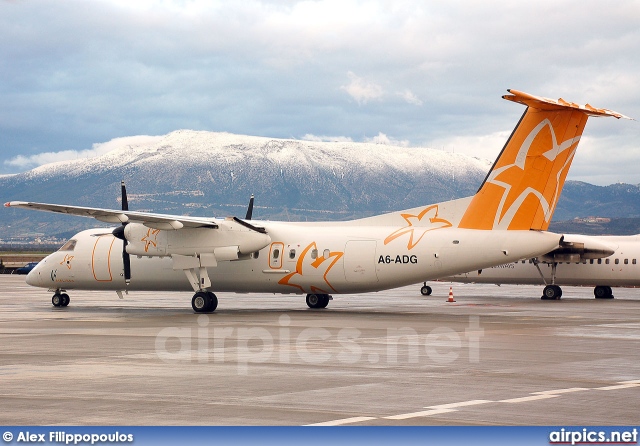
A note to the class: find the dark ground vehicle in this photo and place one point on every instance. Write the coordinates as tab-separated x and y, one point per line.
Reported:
25	269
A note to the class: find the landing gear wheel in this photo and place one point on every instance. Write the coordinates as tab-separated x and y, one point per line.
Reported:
551	292
603	292
200	302
324	301
317	300
426	290
56	300
204	302
213	302
64	300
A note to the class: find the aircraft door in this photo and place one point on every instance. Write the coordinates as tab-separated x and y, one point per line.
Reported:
360	261
275	255
101	258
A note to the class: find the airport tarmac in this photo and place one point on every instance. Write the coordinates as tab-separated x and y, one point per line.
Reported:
498	355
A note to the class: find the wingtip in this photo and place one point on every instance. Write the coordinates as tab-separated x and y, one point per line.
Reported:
7	204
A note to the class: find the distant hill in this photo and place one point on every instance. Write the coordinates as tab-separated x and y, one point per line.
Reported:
617	226
213	174
580	199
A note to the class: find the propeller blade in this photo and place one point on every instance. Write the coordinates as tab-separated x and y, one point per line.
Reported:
125	202
119	233
126	261
250	209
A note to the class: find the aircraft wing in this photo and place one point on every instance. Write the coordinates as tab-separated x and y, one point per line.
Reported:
156	221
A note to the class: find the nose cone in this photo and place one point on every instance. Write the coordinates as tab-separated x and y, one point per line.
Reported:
34	278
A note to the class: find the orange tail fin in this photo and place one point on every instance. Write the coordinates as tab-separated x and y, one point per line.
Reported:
522	188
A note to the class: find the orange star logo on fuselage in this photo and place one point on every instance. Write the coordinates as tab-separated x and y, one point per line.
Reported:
67	260
416	223
150	239
305	261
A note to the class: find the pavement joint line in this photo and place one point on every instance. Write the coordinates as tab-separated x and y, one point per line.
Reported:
561	391
342	421
452	407
525	399
423	413
460	404
618	386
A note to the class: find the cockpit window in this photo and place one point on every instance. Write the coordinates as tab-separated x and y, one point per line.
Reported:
69	246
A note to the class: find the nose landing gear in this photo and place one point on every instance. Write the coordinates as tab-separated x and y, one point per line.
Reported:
60	299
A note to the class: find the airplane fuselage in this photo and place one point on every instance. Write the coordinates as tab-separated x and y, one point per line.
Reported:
621	269
301	258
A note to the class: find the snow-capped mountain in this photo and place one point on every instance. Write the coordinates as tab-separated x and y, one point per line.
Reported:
206	173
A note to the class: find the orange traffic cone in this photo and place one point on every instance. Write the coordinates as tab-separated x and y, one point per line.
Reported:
450	295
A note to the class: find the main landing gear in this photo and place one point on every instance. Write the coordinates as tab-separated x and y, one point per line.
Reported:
603	292
426	290
204	302
551	292
318	300
60	299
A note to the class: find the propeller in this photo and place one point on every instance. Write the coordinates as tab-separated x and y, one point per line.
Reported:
250	209
119	233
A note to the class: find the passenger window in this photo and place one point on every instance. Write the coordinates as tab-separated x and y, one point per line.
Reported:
314	253
292	254
276	253
606	261
255	255
633	261
599	261
69	246
591	262
626	261
617	261
326	253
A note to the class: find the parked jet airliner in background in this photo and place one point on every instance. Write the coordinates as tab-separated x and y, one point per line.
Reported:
602	262
504	222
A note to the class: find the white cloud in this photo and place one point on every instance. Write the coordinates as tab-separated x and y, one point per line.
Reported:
426	71
410	97
361	90
318	138
480	146
32	161
381	138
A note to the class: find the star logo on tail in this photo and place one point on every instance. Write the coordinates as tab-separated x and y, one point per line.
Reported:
522	178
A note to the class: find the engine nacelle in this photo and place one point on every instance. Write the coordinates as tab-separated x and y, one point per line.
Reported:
228	237
575	248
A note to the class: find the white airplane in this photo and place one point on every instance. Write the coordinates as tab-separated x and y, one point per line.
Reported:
602	262
504	222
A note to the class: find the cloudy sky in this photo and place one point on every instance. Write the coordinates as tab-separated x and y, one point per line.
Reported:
74	74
